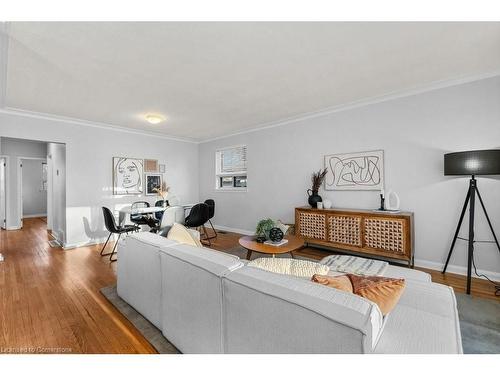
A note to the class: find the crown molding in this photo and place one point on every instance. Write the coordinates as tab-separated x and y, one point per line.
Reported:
361	103
100	125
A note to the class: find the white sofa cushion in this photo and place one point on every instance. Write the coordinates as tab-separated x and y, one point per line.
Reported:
139	273
267	312
192	302
398	272
425	321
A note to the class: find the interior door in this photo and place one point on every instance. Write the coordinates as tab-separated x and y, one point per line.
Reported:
3	198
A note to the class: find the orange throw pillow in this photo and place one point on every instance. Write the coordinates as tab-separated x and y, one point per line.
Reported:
383	291
337	282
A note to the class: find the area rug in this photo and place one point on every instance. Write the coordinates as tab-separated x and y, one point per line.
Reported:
479	324
152	334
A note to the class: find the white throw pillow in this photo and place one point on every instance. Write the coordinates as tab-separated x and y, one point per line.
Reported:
181	234
293	267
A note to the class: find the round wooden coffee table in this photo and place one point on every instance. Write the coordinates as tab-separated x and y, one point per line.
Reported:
249	243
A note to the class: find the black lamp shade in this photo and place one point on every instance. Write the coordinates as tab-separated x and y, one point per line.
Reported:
467	163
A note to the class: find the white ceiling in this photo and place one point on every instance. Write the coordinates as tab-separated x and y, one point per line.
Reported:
213	79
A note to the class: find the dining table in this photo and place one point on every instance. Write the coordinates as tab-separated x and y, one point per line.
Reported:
127	210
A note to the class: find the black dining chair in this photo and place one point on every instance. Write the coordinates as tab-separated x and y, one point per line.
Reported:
143	219
198	217
211	213
110	223
159	215
139	219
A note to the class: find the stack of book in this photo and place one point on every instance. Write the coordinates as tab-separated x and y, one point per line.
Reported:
282	242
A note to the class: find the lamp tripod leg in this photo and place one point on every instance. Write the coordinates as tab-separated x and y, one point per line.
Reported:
458	229
470	250
488	218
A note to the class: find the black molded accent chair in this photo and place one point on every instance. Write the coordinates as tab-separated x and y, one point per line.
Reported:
211	213
159	215
110	223
198	217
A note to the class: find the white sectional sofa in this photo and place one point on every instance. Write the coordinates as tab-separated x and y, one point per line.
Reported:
206	301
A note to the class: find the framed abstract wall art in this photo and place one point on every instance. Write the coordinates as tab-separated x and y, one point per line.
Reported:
355	171
150	166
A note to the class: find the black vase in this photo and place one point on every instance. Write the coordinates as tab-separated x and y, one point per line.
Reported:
314	198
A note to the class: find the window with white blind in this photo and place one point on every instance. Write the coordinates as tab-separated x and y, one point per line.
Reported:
231	168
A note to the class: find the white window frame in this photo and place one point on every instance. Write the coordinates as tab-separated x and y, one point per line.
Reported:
219	174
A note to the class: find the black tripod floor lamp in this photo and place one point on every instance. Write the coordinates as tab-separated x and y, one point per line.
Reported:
471	163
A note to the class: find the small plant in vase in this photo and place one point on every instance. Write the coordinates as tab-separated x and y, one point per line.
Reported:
317	179
162	192
263	228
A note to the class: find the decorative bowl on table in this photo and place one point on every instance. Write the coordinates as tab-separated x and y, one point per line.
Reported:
260	239
276	234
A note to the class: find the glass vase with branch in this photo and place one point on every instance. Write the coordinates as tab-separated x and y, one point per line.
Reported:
163	192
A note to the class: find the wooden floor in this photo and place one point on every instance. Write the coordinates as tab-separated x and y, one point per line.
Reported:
50	300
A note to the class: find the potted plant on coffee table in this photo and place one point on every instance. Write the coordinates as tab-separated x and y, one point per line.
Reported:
263	228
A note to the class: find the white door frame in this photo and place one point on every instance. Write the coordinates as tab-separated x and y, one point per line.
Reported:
6	199
20	185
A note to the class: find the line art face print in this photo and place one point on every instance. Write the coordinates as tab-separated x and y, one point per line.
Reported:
127	176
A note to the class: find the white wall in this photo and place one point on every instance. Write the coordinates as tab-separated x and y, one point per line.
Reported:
15	148
56	158
34	197
414	132
89	152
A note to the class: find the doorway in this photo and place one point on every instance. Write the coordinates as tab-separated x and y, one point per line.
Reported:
32	188
34	185
3	191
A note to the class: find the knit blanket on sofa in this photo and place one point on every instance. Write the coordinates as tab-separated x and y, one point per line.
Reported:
356	265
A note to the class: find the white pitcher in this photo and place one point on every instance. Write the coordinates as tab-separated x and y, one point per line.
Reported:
389	198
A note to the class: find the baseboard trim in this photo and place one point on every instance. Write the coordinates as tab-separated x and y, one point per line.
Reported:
460	270
34	215
74	245
234	230
13	228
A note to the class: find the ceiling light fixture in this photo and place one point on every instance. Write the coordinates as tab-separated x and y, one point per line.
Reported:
154	119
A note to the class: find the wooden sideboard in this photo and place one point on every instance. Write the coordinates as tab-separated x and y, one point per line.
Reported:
364	232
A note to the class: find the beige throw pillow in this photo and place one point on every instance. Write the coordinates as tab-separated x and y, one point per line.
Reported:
293	267
181	234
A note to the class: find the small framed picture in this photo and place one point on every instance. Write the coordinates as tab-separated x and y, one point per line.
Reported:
153	181
150	166
162	168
